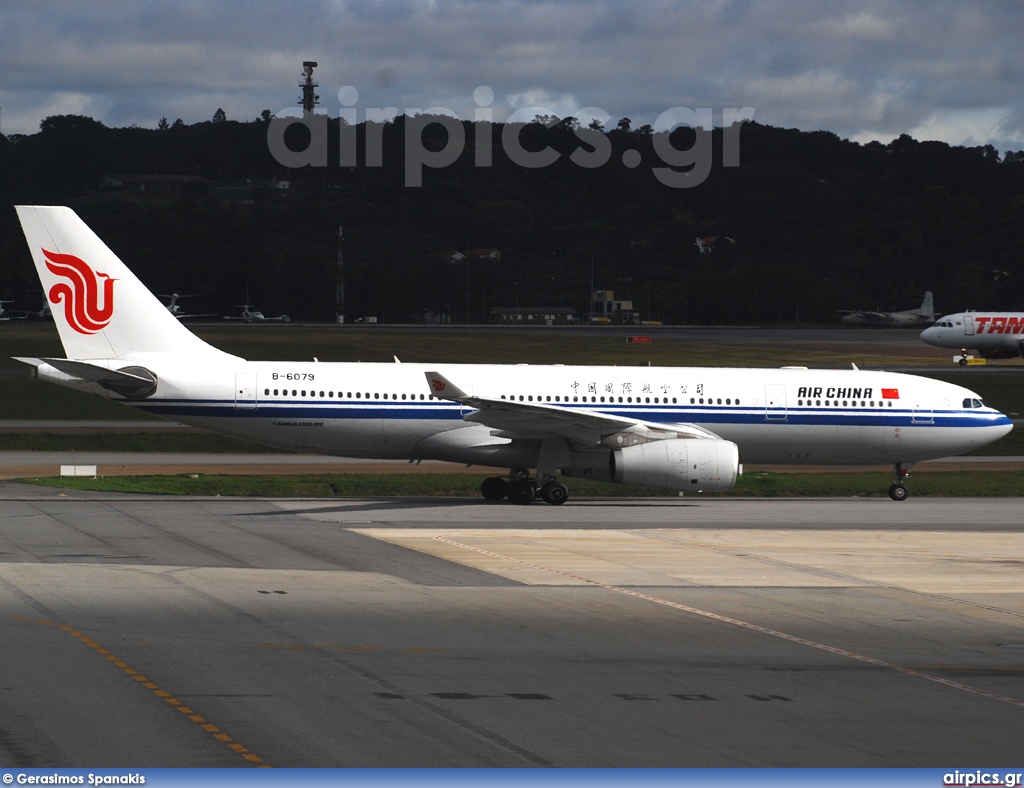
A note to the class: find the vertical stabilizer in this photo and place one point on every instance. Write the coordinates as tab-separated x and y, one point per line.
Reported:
100	307
927	306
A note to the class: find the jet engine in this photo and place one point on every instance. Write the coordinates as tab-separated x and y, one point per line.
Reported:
684	464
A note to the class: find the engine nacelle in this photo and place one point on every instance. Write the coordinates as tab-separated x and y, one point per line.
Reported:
684	464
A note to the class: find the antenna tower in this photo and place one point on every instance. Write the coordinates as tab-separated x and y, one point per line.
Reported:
309	98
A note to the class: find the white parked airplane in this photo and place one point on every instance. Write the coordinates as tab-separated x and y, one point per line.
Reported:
176	309
250	315
673	428
5	314
910	317
992	334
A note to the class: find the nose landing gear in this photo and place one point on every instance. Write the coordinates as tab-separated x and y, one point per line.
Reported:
900	473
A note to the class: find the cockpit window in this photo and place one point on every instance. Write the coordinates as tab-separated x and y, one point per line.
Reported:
972	402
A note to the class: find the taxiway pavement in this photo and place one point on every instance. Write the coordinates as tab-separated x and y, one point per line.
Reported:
147	631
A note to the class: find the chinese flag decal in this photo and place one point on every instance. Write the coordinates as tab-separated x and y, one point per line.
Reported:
890	393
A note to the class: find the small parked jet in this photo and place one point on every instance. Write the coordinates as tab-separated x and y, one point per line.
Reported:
674	428
911	317
992	334
5	314
250	315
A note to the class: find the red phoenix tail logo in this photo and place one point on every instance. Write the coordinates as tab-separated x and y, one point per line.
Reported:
81	298
437	385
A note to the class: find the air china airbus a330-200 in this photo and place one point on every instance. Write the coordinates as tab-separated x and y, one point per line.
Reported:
682	429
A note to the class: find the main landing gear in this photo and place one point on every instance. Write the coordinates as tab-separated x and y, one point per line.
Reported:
519	488
900	473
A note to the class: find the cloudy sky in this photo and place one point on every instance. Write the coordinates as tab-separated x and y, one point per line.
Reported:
875	69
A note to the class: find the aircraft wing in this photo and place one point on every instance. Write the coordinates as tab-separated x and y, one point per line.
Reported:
538	420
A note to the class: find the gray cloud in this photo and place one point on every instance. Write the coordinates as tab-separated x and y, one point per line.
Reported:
867	70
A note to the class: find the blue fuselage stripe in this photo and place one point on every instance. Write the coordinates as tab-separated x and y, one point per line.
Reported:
433	411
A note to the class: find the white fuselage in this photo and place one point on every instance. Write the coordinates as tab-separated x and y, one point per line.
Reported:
993	334
386	411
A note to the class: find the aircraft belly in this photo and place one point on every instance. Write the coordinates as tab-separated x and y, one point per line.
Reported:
475	445
855	445
782	442
362	438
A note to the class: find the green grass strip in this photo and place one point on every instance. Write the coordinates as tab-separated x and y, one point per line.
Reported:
759	485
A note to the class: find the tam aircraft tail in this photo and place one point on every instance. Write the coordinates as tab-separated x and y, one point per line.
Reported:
101	309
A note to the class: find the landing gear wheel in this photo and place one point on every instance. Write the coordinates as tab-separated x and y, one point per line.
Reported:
554	493
898	492
494	488
522	492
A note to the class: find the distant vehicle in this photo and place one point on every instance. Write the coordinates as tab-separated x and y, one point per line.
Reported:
992	334
911	317
250	315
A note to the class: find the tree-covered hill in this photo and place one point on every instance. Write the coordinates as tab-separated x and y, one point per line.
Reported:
806	224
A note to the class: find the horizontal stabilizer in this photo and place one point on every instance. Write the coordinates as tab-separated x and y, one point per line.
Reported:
132	381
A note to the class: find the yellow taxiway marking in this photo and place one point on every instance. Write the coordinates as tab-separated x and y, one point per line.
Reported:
156	690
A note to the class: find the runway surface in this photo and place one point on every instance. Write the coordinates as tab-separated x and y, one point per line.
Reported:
140	631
